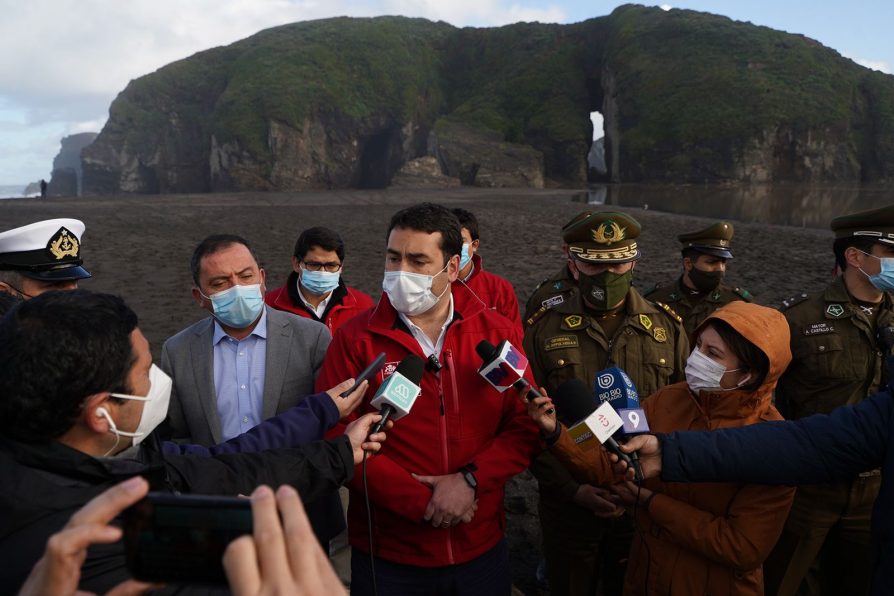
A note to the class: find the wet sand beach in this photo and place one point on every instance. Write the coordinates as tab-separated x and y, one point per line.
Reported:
139	247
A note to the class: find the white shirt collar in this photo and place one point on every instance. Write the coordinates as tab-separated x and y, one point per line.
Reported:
429	348
318	309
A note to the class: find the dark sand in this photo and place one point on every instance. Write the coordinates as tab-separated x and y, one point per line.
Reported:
139	247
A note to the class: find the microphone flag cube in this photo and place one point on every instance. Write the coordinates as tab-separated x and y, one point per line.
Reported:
506	369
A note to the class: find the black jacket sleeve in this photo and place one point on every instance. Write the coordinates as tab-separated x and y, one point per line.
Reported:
819	448
314	469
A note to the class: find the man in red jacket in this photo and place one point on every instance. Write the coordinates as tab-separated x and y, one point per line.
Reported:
436	490
496	292
315	289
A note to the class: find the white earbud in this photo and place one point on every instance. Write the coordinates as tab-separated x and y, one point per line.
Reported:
103	413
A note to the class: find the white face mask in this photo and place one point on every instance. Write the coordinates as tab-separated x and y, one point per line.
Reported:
410	293
155	408
704	373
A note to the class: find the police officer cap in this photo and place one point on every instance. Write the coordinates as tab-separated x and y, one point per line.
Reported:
49	250
713	240
876	224
603	237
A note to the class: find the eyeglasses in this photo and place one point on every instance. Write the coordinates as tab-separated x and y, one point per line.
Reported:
327	267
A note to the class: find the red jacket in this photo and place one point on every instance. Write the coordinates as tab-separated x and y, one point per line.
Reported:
344	304
496	292
458	419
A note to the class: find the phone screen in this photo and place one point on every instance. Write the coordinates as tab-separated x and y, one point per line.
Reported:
182	538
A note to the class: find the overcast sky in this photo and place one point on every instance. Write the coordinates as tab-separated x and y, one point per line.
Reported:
64	61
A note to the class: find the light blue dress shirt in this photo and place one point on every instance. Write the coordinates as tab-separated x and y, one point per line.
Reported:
239	368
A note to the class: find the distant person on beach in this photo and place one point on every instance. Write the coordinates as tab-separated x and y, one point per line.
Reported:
244	363
43	188
315	289
840	339
42	256
553	290
496	292
601	322
700	290
436	496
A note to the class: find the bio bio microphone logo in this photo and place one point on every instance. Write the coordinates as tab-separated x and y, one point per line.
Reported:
605	381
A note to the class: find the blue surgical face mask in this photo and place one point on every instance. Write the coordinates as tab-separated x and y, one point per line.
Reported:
319	282
239	306
464	256
884	279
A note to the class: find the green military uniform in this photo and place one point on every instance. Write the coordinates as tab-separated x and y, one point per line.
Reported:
552	291
695	304
571	340
838	357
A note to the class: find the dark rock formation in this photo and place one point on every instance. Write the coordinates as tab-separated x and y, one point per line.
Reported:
67	174
339	103
423	172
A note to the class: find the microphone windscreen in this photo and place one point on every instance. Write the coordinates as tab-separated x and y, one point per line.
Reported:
574	401
411	367
486	350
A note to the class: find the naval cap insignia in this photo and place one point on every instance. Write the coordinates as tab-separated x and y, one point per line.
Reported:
63	244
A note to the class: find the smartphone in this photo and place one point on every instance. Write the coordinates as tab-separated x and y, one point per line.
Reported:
369	371
180	539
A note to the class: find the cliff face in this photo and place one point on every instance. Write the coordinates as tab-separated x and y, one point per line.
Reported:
345	103
67	174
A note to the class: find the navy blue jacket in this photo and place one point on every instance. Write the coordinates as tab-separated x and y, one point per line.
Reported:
816	449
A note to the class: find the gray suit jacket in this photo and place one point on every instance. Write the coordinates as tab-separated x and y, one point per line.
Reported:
295	350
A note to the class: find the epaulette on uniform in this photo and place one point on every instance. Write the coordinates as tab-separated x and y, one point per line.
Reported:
669	311
743	294
537	314
790	302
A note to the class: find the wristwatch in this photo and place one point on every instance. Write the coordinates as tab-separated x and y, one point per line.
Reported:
468	473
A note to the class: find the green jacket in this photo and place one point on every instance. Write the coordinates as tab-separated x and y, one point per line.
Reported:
694	310
837	357
567	342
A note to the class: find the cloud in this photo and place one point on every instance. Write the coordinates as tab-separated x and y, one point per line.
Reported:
879	65
665	7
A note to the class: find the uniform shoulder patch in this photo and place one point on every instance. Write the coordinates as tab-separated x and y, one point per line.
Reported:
536	316
669	311
790	302
743	294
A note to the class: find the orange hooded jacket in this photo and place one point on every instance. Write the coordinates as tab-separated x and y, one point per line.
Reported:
704	538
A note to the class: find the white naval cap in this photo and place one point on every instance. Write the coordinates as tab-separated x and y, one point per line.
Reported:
48	250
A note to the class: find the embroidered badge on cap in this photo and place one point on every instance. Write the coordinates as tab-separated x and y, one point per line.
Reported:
608	232
63	244
573	321
645	321
835	310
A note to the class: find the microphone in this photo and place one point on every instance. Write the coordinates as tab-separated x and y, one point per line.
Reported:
504	366
396	396
614	386
577	408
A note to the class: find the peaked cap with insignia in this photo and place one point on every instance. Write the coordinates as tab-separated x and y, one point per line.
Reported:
603	237
713	240
49	250
875	224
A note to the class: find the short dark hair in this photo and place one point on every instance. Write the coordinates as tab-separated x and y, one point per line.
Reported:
8	301
751	358
319	236
211	245
431	218
56	350
467	220
842	244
